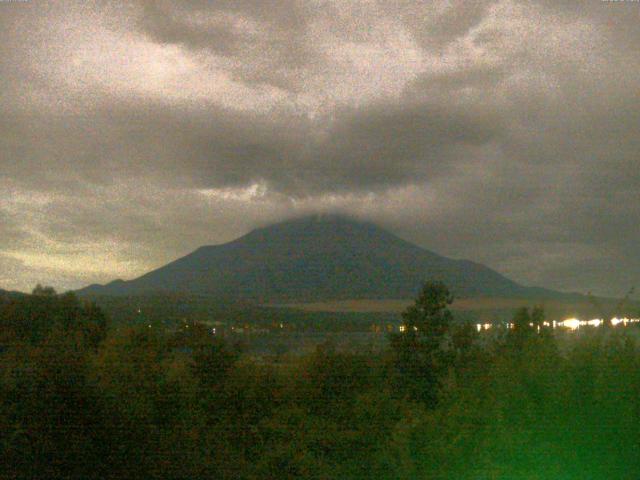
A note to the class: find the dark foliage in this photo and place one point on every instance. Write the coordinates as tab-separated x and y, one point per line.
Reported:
80	401
423	351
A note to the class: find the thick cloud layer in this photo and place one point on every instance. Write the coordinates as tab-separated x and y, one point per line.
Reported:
506	132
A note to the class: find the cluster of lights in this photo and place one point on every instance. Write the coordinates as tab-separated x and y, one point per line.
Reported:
575	323
616	321
570	323
403	328
484	326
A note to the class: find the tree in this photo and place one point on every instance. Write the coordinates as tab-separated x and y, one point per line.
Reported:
430	313
422	356
522	321
463	339
538	316
41	291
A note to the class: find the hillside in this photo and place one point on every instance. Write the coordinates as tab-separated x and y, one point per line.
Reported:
317	258
9	294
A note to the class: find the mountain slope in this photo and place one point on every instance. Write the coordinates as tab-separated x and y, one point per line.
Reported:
6	294
316	258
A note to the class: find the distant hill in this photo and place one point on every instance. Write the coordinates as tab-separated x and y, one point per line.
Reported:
318	258
8	294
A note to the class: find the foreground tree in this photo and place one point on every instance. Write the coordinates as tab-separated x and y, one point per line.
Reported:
527	324
421	352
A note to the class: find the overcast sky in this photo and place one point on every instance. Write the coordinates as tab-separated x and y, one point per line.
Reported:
505	132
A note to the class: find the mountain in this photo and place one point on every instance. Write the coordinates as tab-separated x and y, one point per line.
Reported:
317	258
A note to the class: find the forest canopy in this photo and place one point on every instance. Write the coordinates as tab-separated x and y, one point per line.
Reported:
79	399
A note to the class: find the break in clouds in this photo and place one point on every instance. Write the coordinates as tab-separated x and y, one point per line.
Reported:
506	132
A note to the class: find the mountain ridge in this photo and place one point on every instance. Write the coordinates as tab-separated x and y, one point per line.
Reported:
317	258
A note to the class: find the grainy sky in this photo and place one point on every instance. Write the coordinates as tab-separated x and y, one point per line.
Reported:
506	132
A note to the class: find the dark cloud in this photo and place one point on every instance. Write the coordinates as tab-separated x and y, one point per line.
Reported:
370	148
502	131
269	36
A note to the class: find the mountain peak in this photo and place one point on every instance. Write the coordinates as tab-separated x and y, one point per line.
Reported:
319	220
315	257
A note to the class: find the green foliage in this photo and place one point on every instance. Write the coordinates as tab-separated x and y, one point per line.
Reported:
422	355
522	326
525	325
41	291
49	417
31	319
430	313
79	401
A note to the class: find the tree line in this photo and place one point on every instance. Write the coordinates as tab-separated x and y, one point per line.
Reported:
81	400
